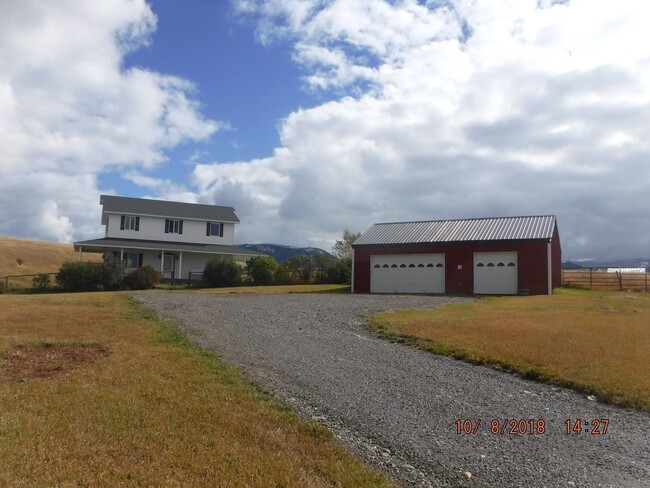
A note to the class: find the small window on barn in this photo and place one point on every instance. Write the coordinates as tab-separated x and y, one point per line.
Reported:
385	266
439	265
501	265
490	265
377	266
511	264
480	265
411	265
430	265
394	266
420	265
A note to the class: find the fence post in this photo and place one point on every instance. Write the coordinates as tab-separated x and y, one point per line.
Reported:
591	282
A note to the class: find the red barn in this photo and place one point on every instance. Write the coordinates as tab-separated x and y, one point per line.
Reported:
500	256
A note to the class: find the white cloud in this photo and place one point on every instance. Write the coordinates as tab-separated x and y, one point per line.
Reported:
479	108
69	108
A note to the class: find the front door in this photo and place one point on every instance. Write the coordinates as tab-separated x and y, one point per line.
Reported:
168	265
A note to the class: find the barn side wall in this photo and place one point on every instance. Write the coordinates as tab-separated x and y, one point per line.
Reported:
532	263
556	259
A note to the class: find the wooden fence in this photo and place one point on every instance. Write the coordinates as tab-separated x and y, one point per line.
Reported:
21	281
600	279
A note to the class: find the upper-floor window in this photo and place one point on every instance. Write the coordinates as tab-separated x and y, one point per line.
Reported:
214	229
129	222
173	226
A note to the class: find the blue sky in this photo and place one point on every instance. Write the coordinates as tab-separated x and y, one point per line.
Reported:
248	86
311	116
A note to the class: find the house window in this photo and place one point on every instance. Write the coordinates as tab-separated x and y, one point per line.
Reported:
133	260
214	229
173	226
129	222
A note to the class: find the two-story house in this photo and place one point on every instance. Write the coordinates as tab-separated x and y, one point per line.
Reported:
172	237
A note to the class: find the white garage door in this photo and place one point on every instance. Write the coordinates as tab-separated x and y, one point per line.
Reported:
407	273
495	273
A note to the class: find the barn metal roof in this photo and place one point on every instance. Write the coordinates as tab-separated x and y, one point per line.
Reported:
465	230
162	208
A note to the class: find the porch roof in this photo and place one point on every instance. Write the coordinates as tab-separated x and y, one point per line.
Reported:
100	245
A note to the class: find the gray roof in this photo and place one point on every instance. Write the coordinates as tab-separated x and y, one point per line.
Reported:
162	208
98	245
465	230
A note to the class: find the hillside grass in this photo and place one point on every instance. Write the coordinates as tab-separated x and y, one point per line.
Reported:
153	411
36	256
597	342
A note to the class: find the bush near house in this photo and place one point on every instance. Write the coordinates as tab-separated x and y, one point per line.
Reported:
113	269
142	279
222	271
261	270
78	276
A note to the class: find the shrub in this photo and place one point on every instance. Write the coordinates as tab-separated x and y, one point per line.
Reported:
262	270
285	275
78	276
222	271
142	278
300	268
112	275
41	282
340	271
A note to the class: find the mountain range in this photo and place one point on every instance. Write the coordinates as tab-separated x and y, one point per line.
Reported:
621	263
281	252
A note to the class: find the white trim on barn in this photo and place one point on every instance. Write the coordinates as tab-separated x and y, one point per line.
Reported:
495	273
407	273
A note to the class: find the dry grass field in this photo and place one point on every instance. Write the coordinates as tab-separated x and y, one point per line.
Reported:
95	391
35	257
594	341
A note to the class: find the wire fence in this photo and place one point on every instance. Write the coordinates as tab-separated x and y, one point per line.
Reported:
10	282
586	278
601	279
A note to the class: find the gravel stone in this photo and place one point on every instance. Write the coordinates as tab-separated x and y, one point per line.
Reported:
397	407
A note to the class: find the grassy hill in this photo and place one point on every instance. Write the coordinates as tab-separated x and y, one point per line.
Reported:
36	256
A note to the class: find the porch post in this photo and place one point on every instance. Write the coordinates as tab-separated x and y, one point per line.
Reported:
162	261
81	253
180	265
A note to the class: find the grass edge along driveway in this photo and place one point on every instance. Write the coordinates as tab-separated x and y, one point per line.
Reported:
154	411
596	342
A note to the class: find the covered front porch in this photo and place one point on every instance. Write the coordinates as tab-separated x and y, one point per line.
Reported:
174	260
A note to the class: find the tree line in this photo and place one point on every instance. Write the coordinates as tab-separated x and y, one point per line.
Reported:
220	271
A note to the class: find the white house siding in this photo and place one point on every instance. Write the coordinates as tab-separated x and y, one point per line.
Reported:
189	261
153	229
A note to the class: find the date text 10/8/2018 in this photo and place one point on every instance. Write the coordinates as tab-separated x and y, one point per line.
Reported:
531	426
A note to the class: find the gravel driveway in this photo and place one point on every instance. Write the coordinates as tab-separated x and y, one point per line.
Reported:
397	407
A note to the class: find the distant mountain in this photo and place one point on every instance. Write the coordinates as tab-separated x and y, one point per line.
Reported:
281	252
621	263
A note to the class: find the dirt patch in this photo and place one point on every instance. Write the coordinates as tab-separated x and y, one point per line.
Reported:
48	360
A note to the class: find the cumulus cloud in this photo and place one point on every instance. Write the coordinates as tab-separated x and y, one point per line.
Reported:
454	109
69	110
